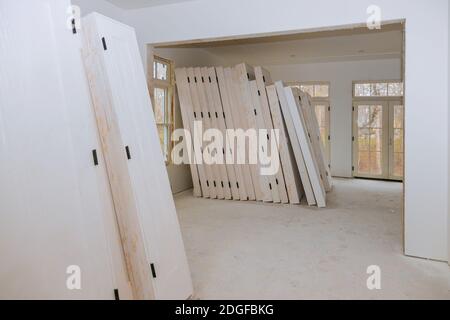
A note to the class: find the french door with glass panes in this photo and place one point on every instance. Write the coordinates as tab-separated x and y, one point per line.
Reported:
378	139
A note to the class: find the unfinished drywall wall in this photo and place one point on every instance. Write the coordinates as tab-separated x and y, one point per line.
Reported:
426	191
340	75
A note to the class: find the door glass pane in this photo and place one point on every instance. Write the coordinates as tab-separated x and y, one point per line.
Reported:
398	165
363	116
364	162
370	139
397	142
375	163
161	71
160	105
376	118
398	116
363	141
375	140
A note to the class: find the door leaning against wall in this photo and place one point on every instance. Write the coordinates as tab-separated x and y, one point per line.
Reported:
378	130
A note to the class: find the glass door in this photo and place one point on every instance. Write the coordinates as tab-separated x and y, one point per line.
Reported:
396	151
378	130
370	139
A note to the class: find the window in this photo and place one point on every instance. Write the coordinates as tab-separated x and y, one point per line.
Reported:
378	89
162	87
320	94
315	90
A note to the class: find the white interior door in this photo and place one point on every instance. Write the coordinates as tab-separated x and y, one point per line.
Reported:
121	93
322	109
55	204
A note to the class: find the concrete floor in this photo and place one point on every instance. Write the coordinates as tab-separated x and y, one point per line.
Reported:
247	250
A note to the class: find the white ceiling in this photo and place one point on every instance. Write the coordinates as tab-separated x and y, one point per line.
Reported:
385	45
323	46
137	4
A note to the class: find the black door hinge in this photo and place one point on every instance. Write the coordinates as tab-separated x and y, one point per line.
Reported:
189	80
353	168
74	27
104	44
94	155
152	266
353	138
127	150
329	138
259	93
116	294
264	79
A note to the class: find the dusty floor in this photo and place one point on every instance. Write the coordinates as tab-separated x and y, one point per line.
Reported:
245	250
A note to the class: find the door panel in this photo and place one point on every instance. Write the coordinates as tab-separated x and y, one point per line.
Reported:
378	139
396	140
370	139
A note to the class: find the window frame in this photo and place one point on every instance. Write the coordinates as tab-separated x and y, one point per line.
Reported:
169	86
379	98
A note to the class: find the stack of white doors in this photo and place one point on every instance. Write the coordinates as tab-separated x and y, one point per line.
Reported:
86	209
242	97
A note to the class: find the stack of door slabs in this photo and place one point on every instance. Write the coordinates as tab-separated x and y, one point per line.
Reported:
243	97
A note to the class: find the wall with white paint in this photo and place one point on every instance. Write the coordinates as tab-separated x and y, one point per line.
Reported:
426	190
340	75
100	6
